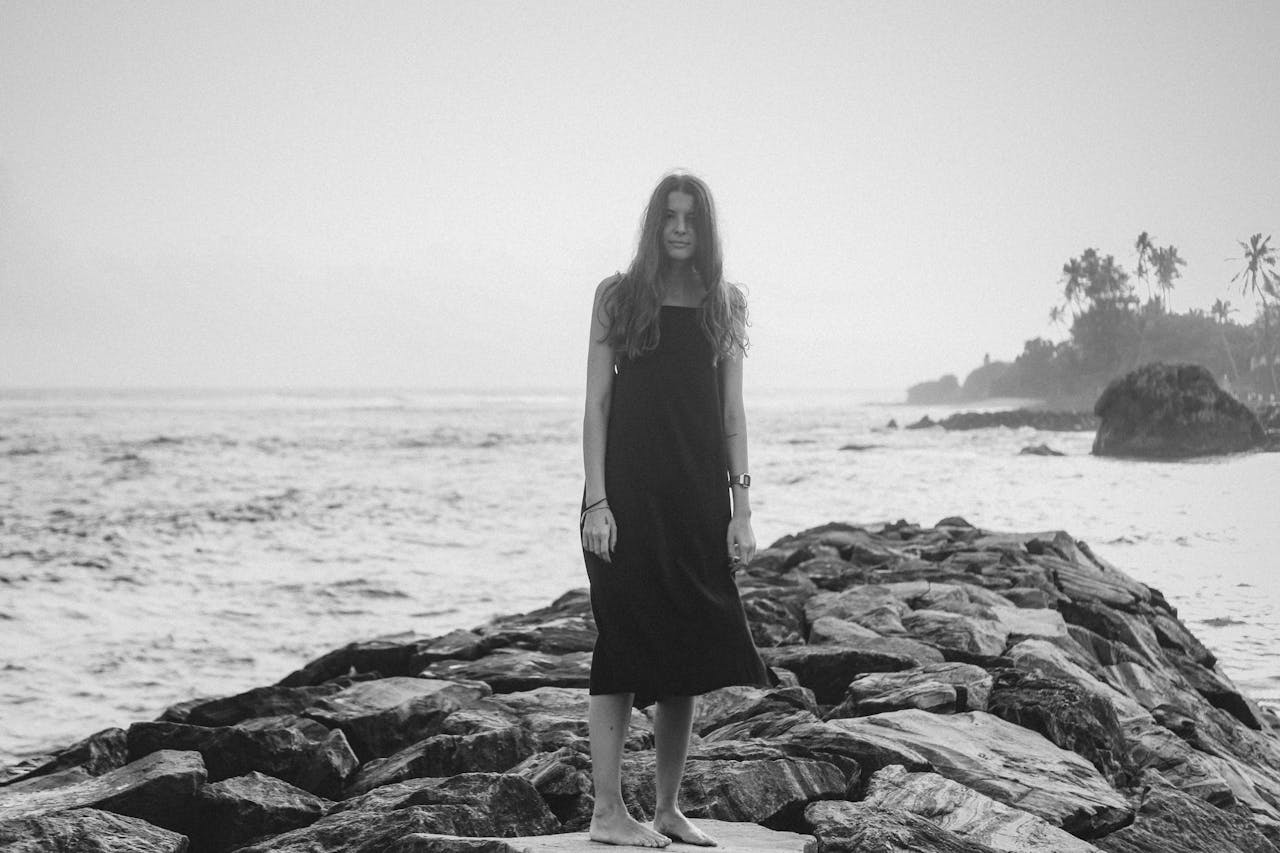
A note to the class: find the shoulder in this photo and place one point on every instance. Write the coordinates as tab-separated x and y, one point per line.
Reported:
606	287
735	296
604	296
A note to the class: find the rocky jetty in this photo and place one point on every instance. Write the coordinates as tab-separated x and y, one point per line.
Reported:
1041	419
1166	411
937	689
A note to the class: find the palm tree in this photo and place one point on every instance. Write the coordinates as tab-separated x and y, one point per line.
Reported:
1166	263
1056	314
1259	278
1221	311
1146	250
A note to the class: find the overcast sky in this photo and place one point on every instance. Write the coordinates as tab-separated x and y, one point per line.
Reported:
426	194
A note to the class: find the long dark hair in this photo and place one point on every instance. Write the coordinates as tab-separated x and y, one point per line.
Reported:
632	301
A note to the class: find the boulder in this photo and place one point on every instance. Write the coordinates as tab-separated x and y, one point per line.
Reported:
235	811
383	716
1008	763
1040	450
969	814
494	750
99	753
85	830
845	827
952	632
384	656
967	688
1171	821
935	392
158	788
270	701
760	787
469	804
302	752
507	670
828	669
1069	716
1163	411
733	704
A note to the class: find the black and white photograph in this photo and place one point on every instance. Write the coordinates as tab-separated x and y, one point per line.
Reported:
760	426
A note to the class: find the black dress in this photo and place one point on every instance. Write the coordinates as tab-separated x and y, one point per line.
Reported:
667	610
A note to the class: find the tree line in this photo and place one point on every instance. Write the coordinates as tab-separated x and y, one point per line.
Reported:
1113	328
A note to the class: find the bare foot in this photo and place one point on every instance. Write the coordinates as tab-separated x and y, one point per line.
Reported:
680	828
618	827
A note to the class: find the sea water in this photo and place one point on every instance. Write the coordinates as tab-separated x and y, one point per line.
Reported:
156	546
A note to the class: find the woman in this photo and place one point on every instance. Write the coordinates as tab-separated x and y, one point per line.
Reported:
665	448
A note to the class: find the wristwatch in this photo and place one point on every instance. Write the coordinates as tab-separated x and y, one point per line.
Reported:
743	480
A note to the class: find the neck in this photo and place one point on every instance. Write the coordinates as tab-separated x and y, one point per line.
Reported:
680	278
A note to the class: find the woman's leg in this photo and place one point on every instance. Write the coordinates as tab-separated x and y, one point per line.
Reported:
672	724
607	717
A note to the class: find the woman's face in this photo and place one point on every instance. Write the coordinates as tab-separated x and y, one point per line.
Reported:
678	237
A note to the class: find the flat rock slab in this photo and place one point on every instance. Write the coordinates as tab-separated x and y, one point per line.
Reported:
731	837
1008	763
87	831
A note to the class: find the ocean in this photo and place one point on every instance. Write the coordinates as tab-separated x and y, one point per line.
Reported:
156	546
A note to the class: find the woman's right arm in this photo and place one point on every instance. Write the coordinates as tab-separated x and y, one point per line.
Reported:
599	533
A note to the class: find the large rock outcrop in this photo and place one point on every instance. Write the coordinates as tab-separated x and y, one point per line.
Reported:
938	689
1170	411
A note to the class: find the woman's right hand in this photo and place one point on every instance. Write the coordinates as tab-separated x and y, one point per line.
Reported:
599	533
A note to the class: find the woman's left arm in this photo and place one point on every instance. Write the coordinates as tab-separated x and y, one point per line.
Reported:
739	537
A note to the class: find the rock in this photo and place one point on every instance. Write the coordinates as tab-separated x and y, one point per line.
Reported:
845	827
237	810
740	702
773	621
759	790
563	779
455	645
870	748
447	755
1171	821
734	836
158	788
924	423
969	814
1040	450
828	669
270	701
387	657
508	670
1162	411
84	830
302	752
937	392
1008	763
99	753
1068	715
951	632
381	717
469	804
1038	419
969	687
829	630
571	633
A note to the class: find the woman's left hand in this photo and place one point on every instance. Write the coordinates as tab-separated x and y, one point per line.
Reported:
741	542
